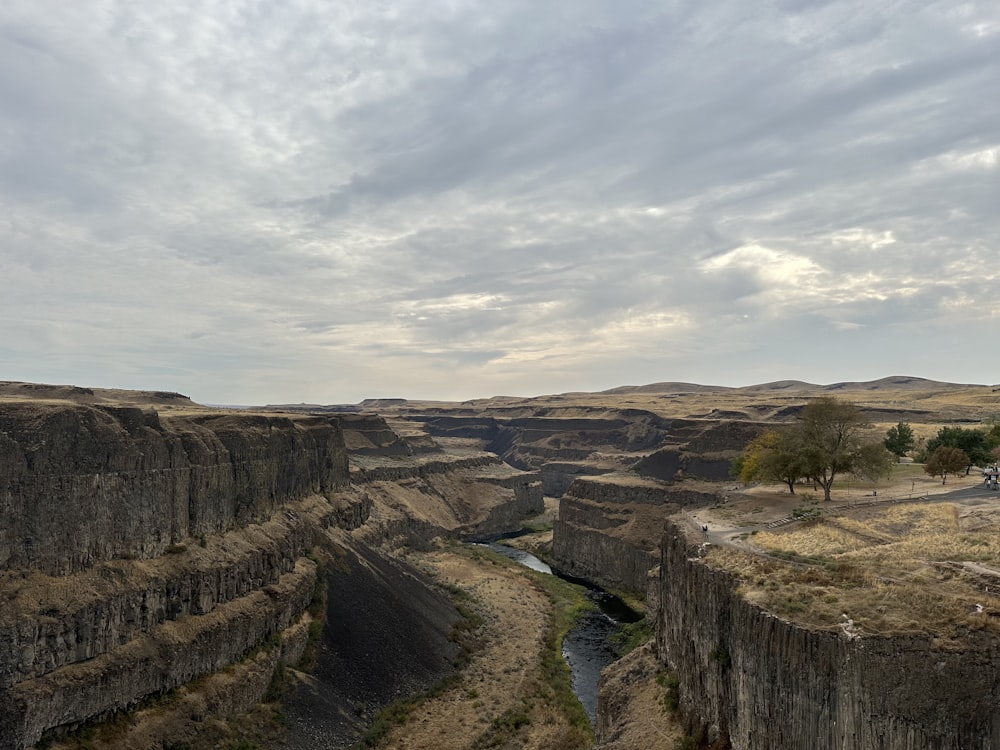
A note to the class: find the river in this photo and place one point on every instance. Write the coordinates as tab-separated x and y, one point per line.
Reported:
587	648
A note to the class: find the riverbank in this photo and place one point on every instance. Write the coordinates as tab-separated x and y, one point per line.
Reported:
504	696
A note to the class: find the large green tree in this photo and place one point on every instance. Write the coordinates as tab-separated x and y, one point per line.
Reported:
899	439
836	439
831	438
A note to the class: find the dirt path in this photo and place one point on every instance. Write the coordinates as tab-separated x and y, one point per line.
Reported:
754	508
501	674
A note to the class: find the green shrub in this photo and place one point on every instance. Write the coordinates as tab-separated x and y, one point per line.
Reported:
721	654
671	690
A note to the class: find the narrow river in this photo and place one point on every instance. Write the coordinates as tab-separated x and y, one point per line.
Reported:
587	648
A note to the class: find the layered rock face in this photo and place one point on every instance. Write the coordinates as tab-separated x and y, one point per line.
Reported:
109	596
699	448
80	485
610	523
470	496
140	552
531	440
609	527
765	683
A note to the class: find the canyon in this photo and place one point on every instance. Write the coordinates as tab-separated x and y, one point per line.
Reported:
153	549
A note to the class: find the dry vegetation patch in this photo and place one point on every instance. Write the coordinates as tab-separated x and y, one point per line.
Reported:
913	568
505	697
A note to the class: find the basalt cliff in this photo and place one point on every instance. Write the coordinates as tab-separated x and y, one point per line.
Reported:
162	559
752	680
149	547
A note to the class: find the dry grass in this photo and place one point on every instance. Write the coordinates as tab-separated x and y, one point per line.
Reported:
924	407
506	695
901	569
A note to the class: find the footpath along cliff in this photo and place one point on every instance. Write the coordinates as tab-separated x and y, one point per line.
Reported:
147	547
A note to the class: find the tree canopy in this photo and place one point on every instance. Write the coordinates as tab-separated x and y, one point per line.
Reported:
835	440
946	460
975	443
831	438
899	439
773	456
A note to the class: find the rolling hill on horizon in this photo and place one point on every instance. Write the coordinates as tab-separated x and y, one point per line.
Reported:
890	382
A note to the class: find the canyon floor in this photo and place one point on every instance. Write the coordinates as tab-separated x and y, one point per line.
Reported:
504	697
495	701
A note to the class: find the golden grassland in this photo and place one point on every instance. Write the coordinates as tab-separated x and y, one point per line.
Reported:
925	407
923	568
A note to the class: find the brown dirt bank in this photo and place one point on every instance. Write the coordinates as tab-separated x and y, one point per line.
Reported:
502	699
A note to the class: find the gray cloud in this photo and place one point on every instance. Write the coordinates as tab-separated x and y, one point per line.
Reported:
325	201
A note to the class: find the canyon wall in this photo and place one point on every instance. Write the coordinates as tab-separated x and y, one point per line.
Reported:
609	527
531	438
766	683
80	484
140	552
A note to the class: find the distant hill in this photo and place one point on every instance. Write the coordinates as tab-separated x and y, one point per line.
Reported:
780	385
77	394
894	382
665	388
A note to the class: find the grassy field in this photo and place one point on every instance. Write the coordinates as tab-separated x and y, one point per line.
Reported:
904	568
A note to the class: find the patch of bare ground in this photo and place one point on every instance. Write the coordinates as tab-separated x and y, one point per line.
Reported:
633	712
503	698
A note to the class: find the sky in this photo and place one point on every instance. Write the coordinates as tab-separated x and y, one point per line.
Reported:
252	201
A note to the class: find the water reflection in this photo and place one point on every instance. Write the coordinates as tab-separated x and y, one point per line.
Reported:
587	648
519	555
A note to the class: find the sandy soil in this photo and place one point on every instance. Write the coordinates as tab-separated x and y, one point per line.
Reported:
633	700
502	672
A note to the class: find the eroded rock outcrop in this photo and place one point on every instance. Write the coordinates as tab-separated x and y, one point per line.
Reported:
609	527
80	485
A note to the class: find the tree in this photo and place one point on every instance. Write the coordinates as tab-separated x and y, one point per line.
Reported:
899	439
973	442
946	460
834	439
873	461
773	456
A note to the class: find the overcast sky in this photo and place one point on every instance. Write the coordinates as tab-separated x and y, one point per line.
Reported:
257	201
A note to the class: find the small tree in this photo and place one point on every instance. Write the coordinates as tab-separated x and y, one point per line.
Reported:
773	456
973	442
873	461
899	439
946	460
993	435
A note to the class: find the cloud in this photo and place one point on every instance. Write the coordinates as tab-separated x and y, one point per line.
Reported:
326	201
